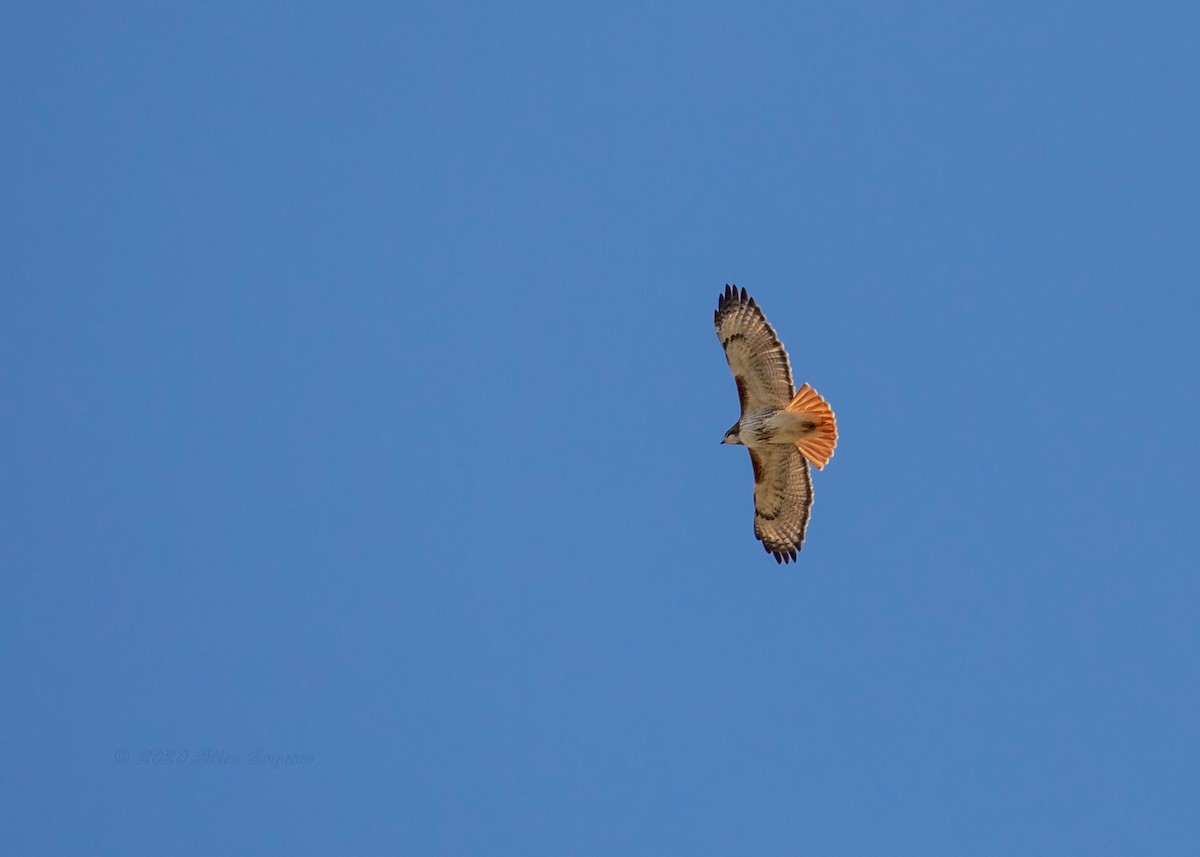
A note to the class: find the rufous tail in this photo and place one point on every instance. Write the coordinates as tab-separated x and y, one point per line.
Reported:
817	445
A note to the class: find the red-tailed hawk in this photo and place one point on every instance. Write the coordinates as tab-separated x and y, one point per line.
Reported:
782	427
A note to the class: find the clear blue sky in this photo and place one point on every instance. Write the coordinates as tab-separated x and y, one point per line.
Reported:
361	402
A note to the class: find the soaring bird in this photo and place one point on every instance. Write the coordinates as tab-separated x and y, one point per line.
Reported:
783	428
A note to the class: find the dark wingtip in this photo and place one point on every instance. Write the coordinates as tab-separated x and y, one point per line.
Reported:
783	556
734	294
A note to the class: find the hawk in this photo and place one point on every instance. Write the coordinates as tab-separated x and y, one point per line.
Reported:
783	428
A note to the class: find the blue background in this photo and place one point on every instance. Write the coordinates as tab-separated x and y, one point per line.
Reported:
361	401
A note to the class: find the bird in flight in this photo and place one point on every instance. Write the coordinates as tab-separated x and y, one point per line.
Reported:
783	428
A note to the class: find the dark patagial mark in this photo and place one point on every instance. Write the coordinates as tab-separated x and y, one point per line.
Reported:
757	464
743	395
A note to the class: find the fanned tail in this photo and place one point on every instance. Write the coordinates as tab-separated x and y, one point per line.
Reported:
818	445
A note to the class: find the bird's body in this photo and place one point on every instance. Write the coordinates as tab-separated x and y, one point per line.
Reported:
783	428
765	426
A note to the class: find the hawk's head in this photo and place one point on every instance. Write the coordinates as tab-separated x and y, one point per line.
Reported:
733	435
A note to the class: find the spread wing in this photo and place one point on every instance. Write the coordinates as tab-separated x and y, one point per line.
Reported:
782	499
756	356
